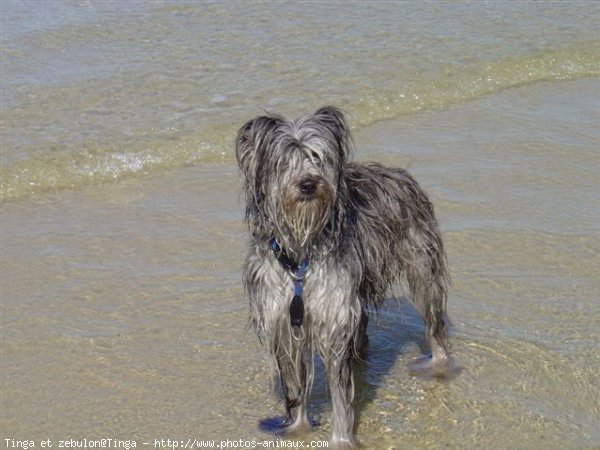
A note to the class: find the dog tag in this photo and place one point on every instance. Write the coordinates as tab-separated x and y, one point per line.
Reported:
296	311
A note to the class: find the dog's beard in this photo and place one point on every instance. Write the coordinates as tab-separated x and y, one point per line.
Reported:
305	218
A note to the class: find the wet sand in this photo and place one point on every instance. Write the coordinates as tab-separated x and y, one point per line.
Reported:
123	314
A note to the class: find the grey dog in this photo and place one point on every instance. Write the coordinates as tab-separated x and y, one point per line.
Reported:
330	237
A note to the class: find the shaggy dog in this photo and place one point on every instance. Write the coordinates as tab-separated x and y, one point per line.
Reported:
328	238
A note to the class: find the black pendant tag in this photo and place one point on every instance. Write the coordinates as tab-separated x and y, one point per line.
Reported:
296	311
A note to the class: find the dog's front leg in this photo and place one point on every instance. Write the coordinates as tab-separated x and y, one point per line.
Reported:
341	386
294	374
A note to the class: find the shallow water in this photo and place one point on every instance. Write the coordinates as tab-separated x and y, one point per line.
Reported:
122	309
123	313
100	91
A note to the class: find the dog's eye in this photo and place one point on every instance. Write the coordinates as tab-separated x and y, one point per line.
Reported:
313	156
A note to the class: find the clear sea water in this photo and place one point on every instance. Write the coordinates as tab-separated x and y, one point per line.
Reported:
99	91
122	311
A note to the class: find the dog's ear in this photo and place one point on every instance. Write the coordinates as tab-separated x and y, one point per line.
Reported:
250	141
333	119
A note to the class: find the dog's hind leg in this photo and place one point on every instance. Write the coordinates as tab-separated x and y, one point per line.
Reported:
427	298
361	340
427	280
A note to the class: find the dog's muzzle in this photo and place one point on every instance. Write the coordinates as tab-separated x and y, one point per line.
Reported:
308	186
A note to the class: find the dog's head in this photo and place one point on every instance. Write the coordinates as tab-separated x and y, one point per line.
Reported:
294	173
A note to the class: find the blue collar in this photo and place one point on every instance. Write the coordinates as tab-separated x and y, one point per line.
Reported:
297	271
292	266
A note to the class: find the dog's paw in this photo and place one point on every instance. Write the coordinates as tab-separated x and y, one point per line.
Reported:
343	444
275	425
429	367
281	426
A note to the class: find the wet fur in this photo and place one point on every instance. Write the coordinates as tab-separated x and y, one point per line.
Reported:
364	228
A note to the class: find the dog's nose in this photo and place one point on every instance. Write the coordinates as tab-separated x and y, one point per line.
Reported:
308	186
